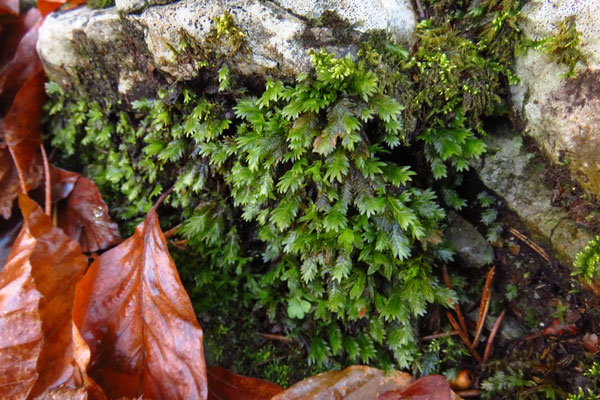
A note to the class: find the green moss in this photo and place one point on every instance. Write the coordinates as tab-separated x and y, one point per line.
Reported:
563	46
100	3
587	262
309	201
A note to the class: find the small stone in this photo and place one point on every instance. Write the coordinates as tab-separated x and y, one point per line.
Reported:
471	247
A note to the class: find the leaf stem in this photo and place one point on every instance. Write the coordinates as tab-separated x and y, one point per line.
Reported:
48	188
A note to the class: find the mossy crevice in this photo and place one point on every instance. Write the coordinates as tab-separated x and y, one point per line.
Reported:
297	197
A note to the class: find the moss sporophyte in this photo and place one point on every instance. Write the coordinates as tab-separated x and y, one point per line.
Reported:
312	202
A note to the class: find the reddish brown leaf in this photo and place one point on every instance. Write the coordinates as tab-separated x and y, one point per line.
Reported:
40	354
24	65
432	387
63	182
9	230
47	6
22	123
13	31
137	319
225	385
353	383
9	180
10	7
85	218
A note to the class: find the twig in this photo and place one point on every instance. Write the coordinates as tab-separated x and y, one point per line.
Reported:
48	188
179	242
461	318
464	337
440	335
468	393
162	197
172	231
272	336
590	286
488	347
420	8
531	244
484	305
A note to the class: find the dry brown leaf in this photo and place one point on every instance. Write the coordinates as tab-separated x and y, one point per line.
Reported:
353	383
39	351
138	321
225	385
83	214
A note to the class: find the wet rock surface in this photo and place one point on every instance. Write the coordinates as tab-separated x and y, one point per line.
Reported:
397	16
517	177
134	54
471	247
562	113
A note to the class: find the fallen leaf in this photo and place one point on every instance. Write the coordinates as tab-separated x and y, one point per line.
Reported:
13	31
40	353
24	65
10	7
353	383
47	6
9	230
23	132
138	321
83	214
225	385
432	387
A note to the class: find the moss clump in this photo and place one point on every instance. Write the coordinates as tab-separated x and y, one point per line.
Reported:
564	46
587	262
308	201
98	4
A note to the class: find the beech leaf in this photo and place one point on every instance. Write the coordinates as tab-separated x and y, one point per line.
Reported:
83	215
41	354
13	30
225	385
22	123
9	182
24	65
432	387
353	383
9	230
10	7
138	321
47	6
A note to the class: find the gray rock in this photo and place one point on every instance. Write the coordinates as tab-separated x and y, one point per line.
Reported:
471	247
563	114
517	177
134	54
397	16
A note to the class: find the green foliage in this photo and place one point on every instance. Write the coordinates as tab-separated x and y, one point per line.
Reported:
587	262
489	216
501	383
563	46
299	202
442	356
593	379
100	3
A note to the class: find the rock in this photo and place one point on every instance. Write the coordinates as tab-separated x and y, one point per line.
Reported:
563	114
397	16
471	247
517	177
135	54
